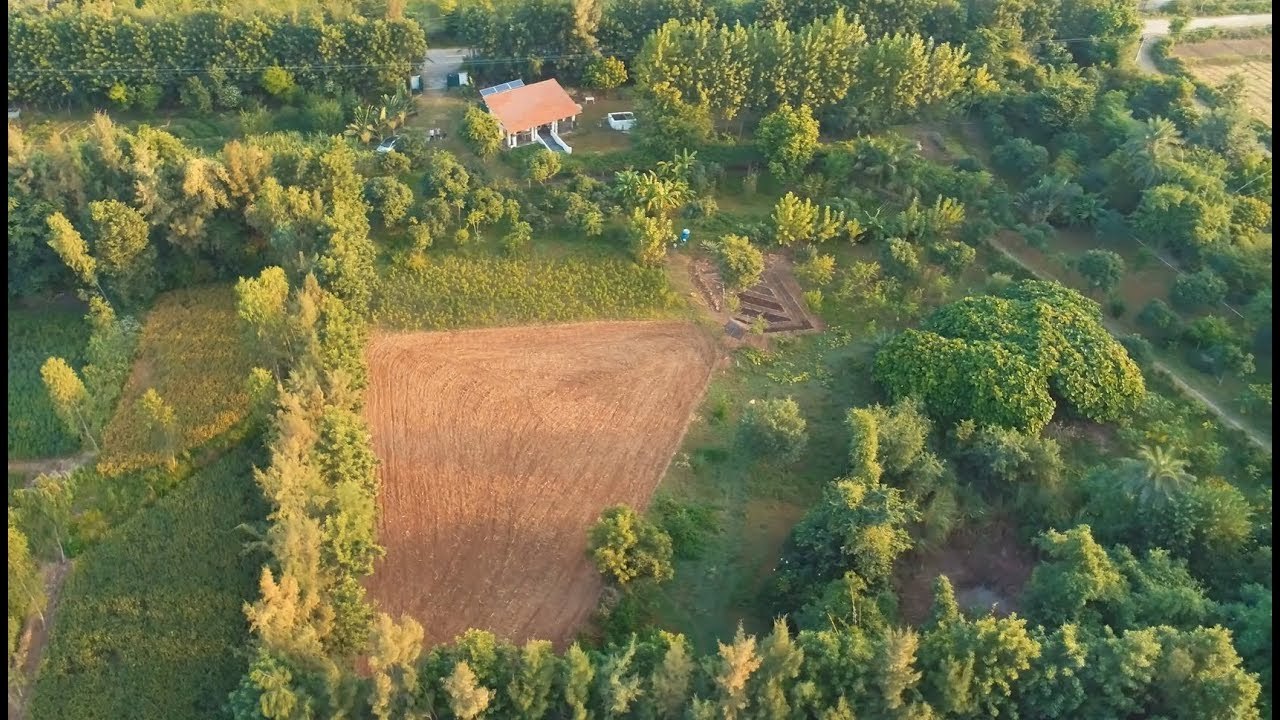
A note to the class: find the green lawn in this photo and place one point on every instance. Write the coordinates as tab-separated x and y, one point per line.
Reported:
34	336
149	624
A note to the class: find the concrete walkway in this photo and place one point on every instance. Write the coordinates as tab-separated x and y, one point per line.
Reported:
439	63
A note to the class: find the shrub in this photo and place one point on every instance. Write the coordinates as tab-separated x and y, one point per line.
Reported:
605	73
393	164
900	258
324	115
1116	306
195	97
952	255
813	299
1020	158
816	268
1138	348
148	97
1102	269
688	525
277	82
741	264
1159	317
773	428
541	166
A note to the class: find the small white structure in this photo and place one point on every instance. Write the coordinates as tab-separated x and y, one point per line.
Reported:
526	112
622	121
14	113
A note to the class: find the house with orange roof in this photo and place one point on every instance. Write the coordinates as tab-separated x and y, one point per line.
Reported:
536	113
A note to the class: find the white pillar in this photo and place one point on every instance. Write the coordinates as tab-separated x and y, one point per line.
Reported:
555	126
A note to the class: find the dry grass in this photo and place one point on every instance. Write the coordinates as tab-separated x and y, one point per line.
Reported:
1213	61
500	448
191	352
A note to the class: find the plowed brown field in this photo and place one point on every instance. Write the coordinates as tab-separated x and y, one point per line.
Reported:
500	448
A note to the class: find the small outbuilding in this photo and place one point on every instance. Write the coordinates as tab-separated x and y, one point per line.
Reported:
536	113
622	121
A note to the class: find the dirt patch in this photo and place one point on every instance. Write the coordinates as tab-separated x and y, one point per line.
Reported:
32	642
49	466
987	567
500	448
776	300
1213	61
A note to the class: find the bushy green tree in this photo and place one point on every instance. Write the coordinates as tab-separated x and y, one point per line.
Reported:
482	131
627	547
650	237
390	199
1197	290
69	397
541	166
605	73
277	82
788	138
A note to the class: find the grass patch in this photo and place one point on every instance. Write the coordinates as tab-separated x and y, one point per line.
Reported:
755	501
149	622
192	353
456	291
34	336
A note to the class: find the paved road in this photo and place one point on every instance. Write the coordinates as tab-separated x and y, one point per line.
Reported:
1156	27
439	63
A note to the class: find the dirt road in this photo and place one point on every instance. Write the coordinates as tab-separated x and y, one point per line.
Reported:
50	465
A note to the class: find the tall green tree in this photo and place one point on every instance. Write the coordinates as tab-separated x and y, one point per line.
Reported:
788	139
467	698
44	511
124	254
69	397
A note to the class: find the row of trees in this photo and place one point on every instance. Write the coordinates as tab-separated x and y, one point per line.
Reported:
829	66
75	55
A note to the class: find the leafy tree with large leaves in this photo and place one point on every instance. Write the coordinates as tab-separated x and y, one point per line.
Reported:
994	359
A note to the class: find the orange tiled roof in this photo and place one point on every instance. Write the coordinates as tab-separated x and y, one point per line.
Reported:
532	105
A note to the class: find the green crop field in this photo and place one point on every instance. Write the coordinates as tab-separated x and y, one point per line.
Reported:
34	336
149	622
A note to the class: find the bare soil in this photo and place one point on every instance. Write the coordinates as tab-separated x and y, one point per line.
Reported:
987	566
499	449
1215	60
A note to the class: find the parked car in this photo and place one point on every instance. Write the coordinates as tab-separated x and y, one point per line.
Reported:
389	144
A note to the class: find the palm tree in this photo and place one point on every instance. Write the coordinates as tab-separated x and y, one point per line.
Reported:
364	123
678	167
396	108
628	183
1148	149
660	196
1155	476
